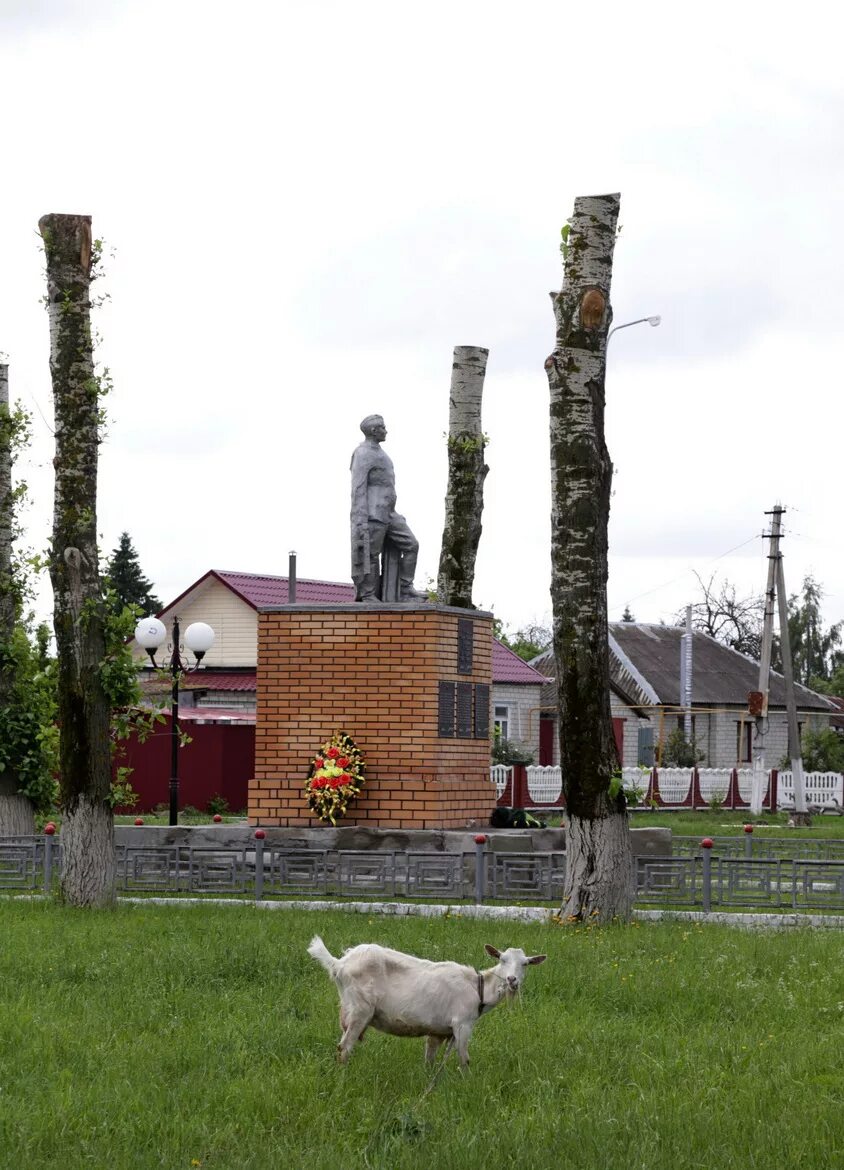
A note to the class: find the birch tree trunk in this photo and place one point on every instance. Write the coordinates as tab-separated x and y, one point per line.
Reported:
598	853
88	861
464	499
16	812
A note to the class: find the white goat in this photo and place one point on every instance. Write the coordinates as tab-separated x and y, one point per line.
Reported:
406	996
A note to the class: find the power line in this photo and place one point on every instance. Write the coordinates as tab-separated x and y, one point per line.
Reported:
687	570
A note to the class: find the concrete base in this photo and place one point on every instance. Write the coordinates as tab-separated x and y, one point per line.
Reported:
652	842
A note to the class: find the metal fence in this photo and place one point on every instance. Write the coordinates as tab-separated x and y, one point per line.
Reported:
760	845
258	870
706	882
731	872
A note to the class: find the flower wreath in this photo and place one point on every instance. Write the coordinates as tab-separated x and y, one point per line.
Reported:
335	778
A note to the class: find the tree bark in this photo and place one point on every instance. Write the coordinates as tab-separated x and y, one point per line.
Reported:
88	860
464	499
17	817
598	852
7	598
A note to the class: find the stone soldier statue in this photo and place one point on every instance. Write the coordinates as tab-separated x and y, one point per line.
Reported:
379	533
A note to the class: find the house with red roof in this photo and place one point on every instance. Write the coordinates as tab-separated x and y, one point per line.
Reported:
223	690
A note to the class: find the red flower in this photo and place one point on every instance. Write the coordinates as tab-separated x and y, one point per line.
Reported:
319	782
343	762
332	753
336	781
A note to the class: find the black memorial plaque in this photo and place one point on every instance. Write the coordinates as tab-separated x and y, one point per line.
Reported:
464	710
446	709
465	639
481	711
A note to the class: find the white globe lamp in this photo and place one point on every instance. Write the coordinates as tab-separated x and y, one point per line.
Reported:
151	634
199	638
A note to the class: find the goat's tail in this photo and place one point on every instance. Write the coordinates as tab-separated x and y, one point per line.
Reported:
319	951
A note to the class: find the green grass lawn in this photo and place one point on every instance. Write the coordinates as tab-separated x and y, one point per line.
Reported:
204	1036
722	823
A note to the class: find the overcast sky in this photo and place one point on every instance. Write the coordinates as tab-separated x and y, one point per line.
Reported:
309	204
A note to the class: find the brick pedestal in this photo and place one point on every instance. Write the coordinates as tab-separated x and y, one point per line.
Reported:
410	684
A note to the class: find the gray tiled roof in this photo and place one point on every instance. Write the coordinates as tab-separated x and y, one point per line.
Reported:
645	671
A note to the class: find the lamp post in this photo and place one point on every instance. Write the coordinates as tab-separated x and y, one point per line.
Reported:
653	321
151	634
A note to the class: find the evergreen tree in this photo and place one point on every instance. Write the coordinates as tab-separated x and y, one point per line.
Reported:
127	580
628	615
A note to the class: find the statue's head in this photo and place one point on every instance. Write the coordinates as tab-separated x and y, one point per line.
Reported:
373	426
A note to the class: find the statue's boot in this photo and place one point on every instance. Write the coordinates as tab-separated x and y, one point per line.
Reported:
408	593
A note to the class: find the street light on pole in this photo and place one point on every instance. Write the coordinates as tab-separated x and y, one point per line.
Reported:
653	321
199	637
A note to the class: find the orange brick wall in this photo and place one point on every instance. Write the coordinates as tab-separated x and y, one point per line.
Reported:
374	673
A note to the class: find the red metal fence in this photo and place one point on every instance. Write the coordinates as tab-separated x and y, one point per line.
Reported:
219	761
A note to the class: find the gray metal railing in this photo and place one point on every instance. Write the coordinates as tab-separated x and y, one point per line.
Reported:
259	870
719	872
761	845
706	882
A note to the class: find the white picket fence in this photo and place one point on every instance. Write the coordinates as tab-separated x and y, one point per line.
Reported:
545	784
500	775
824	789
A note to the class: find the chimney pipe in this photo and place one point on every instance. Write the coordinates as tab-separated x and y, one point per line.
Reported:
291	577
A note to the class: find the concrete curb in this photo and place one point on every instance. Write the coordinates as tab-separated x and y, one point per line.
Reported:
536	914
539	915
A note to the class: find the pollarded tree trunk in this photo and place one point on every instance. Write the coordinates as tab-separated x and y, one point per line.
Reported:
16	812
88	863
598	853
464	499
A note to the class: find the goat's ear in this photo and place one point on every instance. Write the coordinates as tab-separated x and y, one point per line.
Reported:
490	950
537	958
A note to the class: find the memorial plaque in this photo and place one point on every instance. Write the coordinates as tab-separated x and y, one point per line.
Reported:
465	643
481	711
464	710
446	709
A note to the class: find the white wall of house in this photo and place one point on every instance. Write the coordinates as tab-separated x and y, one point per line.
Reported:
723	736
520	701
717	734
235	624
630	737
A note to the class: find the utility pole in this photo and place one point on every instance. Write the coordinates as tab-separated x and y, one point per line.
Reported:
800	815
757	792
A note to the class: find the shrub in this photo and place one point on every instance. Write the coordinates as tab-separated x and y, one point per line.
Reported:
507	751
122	794
680	752
218	804
823	751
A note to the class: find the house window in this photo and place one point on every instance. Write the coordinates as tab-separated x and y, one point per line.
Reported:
501	722
744	742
